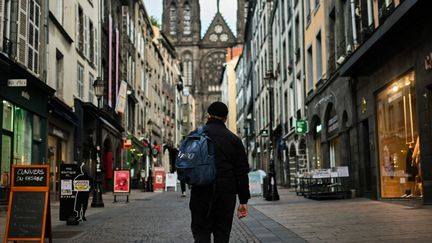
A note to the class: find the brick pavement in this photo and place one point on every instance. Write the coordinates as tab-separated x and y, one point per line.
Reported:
350	220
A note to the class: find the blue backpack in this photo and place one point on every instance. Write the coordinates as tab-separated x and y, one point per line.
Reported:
196	160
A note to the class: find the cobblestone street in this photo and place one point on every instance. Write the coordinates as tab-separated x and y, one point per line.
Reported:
165	217
161	217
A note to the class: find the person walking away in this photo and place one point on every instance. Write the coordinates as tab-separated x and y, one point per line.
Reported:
212	206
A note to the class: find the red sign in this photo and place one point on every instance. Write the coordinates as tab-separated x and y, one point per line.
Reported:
121	181
159	179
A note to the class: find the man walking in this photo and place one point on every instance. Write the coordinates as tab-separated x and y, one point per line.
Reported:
212	207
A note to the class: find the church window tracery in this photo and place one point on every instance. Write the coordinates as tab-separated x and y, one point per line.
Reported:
187	69
187	19
173	19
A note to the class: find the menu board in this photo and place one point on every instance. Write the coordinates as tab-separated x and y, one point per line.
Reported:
29	215
27	221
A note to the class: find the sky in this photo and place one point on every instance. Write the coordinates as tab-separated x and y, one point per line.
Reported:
228	9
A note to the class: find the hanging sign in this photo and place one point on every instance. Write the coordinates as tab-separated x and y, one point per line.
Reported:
121	98
301	126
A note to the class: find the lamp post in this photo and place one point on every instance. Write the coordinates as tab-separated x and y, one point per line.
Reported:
272	193
99	89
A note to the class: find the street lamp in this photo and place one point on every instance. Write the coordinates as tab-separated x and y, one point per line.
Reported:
272	193
99	89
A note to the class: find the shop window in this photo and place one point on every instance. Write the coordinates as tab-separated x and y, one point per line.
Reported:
398	139
6	155
335	152
22	140
36	128
7	116
316	132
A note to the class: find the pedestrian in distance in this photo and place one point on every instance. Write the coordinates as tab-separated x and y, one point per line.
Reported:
183	188
212	206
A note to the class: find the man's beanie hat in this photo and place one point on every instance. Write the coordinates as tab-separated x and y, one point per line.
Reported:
218	108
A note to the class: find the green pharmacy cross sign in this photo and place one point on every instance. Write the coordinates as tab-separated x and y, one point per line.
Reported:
301	126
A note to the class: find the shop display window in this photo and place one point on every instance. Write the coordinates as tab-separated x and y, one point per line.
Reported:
7	116
22	136
398	138
335	152
6	152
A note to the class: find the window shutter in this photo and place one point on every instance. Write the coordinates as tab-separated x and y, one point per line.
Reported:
1	23
21	54
86	37
36	33
95	48
77	34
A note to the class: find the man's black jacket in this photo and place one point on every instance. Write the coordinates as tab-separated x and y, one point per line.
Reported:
231	161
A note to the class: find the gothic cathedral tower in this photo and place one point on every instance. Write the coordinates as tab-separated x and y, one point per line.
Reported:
182	24
181	21
201	58
242	13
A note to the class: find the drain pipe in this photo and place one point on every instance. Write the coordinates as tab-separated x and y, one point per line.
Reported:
46	26
353	22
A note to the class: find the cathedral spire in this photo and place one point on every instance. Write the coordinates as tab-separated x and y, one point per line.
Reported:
218	5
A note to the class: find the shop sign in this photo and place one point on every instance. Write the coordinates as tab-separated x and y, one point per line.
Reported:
17	82
25	95
333	124
323	100
301	126
121	181
57	132
428	62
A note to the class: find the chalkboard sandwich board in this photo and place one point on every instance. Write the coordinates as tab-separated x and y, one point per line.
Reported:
29	215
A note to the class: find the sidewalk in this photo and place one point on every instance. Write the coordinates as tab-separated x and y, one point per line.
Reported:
108	199
348	220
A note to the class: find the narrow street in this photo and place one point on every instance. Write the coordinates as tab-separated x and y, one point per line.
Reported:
164	217
149	217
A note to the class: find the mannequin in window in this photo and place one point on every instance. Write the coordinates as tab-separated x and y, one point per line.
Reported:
416	162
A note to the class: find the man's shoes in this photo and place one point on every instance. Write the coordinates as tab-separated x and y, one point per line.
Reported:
84	218
183	194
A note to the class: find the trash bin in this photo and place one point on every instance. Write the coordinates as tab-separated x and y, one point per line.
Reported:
266	182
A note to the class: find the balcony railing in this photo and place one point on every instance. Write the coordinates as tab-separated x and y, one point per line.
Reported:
385	12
